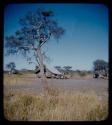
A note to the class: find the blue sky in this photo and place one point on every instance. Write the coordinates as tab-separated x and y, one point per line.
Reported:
85	39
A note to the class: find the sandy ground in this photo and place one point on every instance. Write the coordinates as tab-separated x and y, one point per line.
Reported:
97	85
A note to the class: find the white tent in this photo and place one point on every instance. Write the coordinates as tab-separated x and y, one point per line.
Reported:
53	70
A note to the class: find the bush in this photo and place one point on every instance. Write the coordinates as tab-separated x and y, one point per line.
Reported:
82	74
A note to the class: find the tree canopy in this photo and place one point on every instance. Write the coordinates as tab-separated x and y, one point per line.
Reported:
100	65
37	28
67	68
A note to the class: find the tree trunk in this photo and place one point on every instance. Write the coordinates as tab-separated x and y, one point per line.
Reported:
41	66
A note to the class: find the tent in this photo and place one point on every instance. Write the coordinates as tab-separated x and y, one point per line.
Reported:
53	70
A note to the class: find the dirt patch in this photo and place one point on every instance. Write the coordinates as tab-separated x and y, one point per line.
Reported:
98	85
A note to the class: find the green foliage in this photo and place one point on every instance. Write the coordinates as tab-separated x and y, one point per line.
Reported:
11	66
82	74
37	28
100	65
67	68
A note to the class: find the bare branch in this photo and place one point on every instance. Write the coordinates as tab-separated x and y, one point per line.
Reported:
45	41
28	46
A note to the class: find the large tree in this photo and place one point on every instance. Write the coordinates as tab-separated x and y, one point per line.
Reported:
37	28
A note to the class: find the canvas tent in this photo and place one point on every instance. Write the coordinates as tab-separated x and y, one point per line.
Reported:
54	70
51	72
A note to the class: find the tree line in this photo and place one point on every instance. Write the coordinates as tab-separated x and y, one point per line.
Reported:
99	66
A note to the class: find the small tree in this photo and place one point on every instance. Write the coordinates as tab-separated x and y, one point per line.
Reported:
37	29
11	66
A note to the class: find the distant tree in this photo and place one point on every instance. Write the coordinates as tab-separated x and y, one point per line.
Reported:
100	66
58	68
11	66
38	27
67	69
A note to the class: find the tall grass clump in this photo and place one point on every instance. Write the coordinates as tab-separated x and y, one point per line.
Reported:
56	106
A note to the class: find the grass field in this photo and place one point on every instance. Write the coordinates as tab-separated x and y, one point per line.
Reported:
54	104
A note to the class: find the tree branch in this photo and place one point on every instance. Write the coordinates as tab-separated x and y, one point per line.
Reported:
36	58
45	41
29	47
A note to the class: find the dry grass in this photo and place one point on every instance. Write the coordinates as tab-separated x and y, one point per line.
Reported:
55	105
18	79
81	76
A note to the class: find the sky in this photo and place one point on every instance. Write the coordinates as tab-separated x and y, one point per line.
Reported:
85	39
